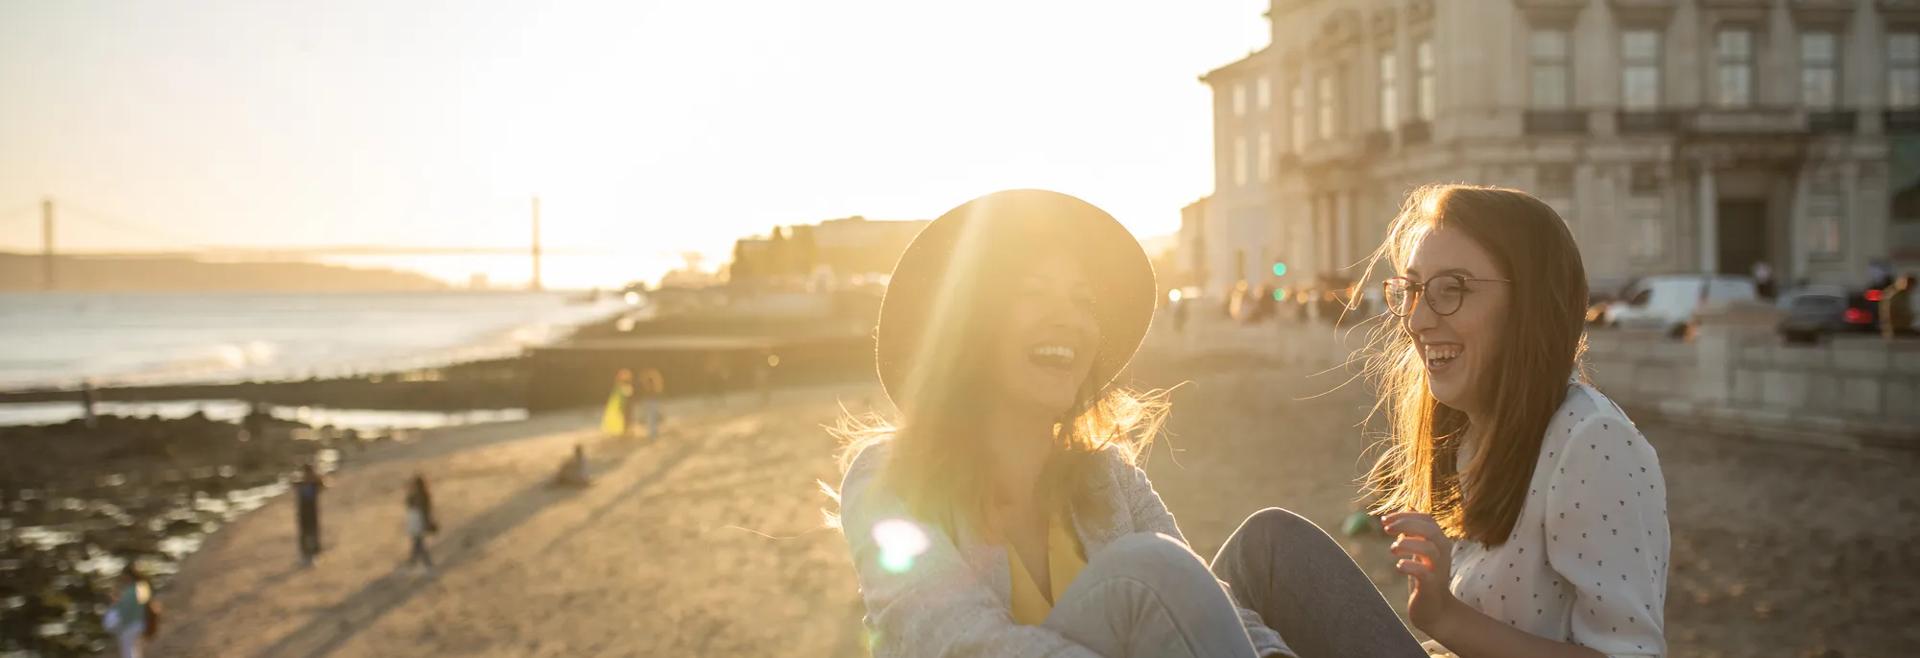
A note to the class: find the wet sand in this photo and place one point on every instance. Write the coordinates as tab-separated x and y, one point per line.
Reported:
709	542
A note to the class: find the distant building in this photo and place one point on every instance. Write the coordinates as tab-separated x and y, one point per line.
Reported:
1673	135
837	248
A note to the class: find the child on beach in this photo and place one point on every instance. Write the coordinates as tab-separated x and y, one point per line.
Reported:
306	492
652	386
614	422
420	521
129	617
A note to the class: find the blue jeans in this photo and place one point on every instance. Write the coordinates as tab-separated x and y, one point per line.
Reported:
1150	595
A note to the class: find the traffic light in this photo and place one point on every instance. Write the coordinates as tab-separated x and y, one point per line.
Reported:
1279	269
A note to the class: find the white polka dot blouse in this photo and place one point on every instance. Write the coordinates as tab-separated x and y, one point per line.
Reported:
1587	561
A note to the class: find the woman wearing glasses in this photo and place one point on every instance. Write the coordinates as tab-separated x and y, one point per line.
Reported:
1530	515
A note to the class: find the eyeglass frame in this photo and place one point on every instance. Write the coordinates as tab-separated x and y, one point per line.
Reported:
1419	292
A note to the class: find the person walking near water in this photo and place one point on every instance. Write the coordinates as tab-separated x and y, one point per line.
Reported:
420	521
307	498
652	386
614	421
130	617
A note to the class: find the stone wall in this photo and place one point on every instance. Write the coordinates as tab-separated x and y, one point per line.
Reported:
1734	376
1851	391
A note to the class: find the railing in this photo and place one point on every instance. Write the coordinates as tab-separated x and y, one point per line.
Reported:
1379	142
1904	121
1750	121
1416	132
1832	121
1647	121
1554	122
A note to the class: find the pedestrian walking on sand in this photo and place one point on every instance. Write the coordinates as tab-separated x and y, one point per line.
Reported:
614	421
763	376
420	521
306	492
87	399
653	385
130	618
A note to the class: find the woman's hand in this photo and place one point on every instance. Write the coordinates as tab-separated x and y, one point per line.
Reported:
1426	556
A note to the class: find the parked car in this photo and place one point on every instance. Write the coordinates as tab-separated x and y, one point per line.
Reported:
1811	315
1668	301
1863	311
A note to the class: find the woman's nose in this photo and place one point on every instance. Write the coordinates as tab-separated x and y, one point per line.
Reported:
1422	317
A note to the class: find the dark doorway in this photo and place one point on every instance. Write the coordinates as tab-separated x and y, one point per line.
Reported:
1743	235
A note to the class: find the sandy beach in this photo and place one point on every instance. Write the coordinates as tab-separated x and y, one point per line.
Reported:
709	542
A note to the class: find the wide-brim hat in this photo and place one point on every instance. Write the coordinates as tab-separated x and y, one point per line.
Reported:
943	266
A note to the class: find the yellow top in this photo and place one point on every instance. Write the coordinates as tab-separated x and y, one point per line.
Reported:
1064	562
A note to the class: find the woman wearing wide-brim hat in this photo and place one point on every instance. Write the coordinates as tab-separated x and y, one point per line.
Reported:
1002	513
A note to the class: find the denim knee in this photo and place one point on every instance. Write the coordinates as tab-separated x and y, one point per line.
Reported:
1276	526
1151	558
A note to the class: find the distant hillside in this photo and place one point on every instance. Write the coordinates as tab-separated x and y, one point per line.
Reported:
22	272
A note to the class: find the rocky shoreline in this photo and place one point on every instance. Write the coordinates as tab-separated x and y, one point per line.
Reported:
76	502
483	384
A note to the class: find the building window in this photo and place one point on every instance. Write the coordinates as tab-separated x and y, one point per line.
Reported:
1298	115
1903	70
1640	69
1825	201
1733	59
1819	70
1550	52
1328	88
1643	180
1262	93
1239	161
1556	182
1423	101
1265	166
1389	91
1646	210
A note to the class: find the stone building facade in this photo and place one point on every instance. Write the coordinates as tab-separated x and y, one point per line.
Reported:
1673	135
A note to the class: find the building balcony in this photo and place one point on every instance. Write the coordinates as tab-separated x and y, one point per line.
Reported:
1334	151
1554	122
1643	122
1904	121
1378	142
1416	132
1832	122
1747	121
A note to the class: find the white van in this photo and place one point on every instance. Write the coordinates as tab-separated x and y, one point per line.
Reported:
1668	301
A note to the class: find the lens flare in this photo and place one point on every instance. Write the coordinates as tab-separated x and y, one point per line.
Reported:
900	542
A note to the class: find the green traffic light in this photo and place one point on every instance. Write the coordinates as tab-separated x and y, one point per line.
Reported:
1279	269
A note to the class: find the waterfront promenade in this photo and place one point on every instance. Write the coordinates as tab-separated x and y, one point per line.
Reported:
710	543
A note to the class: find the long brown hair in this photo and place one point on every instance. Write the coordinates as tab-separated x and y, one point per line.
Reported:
1542	340
938	462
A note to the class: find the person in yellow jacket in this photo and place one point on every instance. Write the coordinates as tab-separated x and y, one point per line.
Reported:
614	421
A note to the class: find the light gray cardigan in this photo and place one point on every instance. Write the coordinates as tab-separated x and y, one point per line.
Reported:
955	600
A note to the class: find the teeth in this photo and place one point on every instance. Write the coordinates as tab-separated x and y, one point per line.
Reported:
1442	352
1054	351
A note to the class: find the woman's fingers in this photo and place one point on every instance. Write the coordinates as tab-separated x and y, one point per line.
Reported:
1413	523
1410	545
1413	567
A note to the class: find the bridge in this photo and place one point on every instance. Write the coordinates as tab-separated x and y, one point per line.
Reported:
50	277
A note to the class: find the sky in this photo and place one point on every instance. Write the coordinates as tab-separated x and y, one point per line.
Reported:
647	128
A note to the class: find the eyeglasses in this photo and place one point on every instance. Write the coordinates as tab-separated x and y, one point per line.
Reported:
1443	293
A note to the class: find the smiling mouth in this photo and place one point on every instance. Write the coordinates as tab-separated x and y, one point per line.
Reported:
1440	355
1057	357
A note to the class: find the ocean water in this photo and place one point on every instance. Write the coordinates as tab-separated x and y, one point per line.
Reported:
61	339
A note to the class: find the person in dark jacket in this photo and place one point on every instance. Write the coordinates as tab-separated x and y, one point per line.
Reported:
306	492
